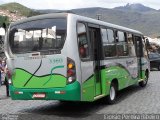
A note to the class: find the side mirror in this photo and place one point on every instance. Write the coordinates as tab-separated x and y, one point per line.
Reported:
2	31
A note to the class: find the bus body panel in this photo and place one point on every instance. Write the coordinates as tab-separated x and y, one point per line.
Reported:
123	69
40	71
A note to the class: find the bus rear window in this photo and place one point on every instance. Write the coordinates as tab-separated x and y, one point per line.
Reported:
39	35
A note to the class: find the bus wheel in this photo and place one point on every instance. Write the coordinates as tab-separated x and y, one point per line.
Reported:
144	82
111	98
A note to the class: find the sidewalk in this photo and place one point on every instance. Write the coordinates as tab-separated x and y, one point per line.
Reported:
3	93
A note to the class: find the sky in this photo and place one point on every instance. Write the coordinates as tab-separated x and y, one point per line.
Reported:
73	4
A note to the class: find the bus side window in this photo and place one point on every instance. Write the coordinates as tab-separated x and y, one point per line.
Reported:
122	46
139	46
131	47
109	46
82	41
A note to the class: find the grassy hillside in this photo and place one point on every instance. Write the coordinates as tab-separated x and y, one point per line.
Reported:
18	8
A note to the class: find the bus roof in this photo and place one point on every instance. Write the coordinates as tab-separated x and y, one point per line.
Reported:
51	15
77	18
102	23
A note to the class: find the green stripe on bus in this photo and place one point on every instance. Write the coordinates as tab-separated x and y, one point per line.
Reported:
52	73
107	75
21	76
88	89
71	93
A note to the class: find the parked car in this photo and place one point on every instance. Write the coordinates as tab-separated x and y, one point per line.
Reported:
154	60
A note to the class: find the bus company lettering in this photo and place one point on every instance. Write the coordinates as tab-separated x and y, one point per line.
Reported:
34	57
56	61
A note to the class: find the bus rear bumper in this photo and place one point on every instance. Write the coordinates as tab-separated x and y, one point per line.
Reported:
69	93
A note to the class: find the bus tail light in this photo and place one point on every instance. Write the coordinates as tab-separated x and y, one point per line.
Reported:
71	71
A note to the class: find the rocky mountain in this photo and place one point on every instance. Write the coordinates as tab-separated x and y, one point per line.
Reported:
135	7
135	16
146	22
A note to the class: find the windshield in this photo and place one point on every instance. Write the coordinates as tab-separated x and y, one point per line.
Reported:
41	35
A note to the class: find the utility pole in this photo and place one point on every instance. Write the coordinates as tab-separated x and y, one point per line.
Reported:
99	16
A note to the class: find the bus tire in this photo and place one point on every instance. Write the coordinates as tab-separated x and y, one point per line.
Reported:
63	102
144	82
111	98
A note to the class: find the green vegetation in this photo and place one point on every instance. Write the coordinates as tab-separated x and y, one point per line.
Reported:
18	9
4	20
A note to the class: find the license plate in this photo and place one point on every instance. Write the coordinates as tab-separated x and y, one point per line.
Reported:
39	95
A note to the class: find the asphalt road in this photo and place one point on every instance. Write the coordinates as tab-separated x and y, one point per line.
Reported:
132	100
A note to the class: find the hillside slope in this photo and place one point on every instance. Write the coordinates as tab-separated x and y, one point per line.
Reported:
18	9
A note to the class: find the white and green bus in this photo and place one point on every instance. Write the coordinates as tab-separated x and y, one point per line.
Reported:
67	57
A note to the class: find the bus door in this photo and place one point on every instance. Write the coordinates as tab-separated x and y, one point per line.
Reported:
95	38
139	53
